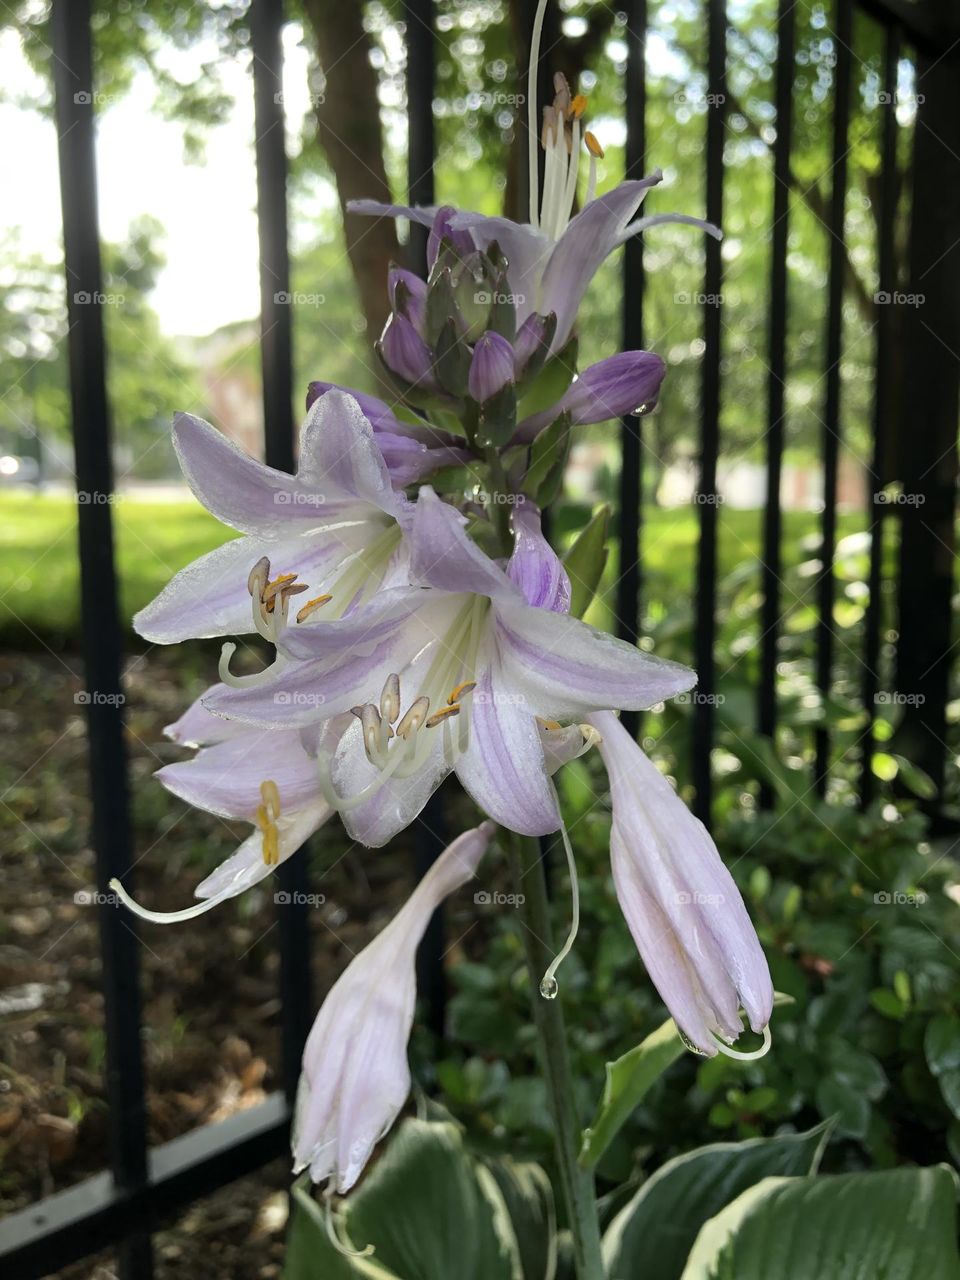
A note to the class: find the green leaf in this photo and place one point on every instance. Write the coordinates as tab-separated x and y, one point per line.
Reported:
586	560
528	1195
651	1237
628	1079
311	1254
941	1043
919	782
548	461
950	1088
432	1211
550	383
897	1224
837	1098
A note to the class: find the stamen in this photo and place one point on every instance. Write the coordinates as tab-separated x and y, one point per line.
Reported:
258	577
591	737
311	607
270	794
751	1056
549	724
390	698
577	107
271	588
456	694
414	718
371	724
593	146
167	917
532	112
549	987
444	713
341	1245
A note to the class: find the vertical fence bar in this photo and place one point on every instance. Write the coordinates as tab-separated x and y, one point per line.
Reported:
630	493
431	829
100	622
843	36
776	380
928	464
882	386
276	359
707	497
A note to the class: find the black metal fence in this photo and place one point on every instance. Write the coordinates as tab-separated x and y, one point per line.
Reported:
121	1207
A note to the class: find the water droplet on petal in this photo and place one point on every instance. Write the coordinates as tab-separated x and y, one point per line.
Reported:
549	988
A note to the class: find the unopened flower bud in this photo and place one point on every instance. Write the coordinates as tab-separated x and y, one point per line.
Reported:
491	368
405	353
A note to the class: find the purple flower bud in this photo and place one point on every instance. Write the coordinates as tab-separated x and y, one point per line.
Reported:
529	339
491	368
610	388
412	301
462	241
405	352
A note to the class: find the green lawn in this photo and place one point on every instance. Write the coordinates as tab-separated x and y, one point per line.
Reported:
39	584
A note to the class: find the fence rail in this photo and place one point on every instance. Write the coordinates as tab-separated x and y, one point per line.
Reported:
123	1206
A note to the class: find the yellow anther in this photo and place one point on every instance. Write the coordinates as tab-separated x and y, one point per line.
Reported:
281	581
270	794
549	724
456	694
311	607
271	846
593	146
577	107
444	713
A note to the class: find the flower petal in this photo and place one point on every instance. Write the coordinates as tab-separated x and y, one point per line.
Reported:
247	867
566	668
339	455
608	389
526	249
424	214
534	565
442	555
503	768
579	253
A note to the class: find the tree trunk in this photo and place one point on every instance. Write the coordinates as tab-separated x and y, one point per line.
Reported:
351	135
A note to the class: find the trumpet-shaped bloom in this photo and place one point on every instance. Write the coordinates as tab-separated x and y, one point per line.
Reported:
338	519
267	777
355	1075
682	906
453	677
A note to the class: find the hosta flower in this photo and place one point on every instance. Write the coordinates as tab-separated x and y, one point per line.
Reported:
618	385
267	777
460	676
411	450
551	259
355	1075
685	912
337	520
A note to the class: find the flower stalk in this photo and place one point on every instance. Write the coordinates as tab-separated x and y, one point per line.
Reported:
578	1185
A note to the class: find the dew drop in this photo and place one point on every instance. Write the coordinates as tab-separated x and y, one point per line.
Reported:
549	988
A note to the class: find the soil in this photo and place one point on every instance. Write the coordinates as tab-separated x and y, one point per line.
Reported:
210	993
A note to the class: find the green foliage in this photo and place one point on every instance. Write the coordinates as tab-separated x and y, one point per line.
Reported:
433	1209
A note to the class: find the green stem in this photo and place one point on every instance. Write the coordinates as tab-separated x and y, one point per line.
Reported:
577	1183
500	495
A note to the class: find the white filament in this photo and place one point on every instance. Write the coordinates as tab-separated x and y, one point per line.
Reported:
751	1056
166	917
532	122
549	982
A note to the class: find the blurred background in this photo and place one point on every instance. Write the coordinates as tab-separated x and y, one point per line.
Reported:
839	818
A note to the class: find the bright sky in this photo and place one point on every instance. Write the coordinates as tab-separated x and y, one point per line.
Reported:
207	209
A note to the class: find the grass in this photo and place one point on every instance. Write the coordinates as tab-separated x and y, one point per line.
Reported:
39	571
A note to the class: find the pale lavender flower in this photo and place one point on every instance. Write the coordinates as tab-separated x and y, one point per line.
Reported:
681	903
406	354
480	656
356	1077
267	777
339	508
411	450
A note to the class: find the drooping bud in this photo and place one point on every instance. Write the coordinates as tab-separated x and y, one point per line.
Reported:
408	296
491	368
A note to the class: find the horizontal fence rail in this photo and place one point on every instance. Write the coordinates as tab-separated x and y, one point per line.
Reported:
122	1207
